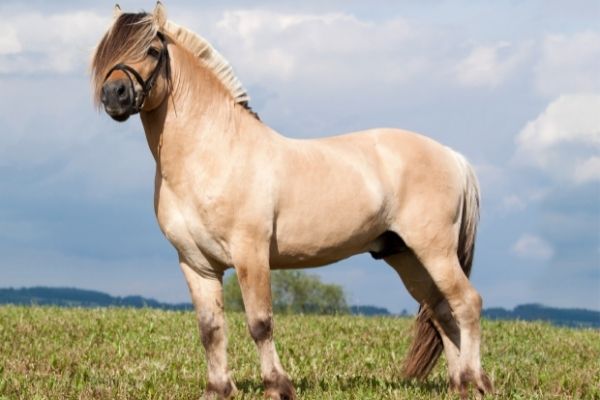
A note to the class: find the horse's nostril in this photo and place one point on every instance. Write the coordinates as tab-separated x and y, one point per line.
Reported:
121	92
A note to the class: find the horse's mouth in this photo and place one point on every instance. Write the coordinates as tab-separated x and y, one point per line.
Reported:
119	117
119	114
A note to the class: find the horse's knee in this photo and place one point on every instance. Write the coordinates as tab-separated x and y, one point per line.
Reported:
261	327
210	328
477	301
471	304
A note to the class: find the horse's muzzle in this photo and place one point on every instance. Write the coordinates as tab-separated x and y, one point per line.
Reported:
118	98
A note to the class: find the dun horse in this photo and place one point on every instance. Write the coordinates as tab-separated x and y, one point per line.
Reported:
232	192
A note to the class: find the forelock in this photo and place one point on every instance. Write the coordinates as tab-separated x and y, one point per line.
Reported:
127	40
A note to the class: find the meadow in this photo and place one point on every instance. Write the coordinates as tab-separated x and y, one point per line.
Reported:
119	353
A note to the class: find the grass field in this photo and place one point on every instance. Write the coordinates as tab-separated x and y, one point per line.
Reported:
54	353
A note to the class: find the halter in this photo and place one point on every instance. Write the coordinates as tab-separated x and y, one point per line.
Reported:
145	84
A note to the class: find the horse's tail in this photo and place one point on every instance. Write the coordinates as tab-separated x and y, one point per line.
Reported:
427	345
470	218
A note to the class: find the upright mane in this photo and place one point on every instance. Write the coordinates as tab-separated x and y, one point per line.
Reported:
129	38
211	58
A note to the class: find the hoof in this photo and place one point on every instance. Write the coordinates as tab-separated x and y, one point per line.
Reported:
480	381
220	391
279	389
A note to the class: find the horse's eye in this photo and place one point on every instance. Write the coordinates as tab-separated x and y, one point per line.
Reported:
153	52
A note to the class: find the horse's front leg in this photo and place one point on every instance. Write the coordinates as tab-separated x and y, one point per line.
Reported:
254	276
207	296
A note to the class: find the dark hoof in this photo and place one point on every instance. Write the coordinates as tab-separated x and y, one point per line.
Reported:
220	391
280	389
485	384
481	381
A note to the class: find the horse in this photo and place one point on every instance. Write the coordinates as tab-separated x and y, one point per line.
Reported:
230	192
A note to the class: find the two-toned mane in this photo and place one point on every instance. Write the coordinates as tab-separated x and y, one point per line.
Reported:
230	192
130	37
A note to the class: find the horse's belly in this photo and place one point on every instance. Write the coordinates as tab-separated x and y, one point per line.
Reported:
306	258
328	213
325	235
318	247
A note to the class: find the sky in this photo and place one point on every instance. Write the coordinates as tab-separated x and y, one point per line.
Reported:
514	86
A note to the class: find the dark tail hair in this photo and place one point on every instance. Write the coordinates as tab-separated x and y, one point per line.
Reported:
427	346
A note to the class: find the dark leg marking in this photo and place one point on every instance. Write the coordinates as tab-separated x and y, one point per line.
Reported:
468	377
261	329
208	330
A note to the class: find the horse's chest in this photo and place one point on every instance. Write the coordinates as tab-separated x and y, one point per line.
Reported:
187	227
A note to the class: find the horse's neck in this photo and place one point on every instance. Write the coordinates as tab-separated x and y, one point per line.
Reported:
199	118
188	115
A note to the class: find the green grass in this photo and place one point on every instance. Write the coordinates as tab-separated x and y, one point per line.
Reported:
54	353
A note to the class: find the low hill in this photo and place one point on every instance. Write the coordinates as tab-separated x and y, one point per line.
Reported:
369	310
71	297
573	317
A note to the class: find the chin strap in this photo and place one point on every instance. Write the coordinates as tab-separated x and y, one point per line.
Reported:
145	84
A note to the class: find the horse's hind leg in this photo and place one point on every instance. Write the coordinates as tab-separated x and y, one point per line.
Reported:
438	255
434	315
207	296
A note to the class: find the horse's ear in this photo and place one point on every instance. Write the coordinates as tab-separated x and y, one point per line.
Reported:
160	14
117	11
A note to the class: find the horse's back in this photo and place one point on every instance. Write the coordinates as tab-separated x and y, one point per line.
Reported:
400	160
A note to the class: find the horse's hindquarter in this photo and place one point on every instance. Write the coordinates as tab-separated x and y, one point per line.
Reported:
428	188
338	194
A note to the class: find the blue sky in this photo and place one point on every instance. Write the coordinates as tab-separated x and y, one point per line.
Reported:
512	85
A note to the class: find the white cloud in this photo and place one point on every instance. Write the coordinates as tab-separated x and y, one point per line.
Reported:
588	170
564	140
489	66
532	247
9	42
569	63
284	46
58	43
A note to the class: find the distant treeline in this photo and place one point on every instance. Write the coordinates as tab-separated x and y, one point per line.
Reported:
573	317
369	310
71	297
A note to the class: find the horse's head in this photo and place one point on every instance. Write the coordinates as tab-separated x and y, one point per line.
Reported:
130	67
